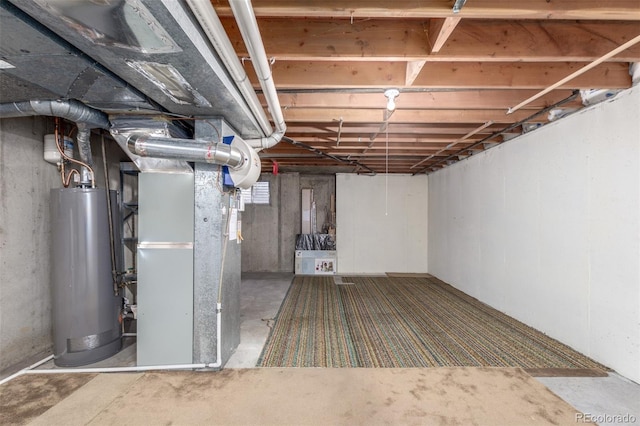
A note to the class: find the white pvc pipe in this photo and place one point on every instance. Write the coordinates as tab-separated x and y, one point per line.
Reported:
21	372
117	369
248	25
218	362
210	23
139	368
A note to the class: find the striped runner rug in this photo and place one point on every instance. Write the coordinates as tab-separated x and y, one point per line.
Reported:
403	322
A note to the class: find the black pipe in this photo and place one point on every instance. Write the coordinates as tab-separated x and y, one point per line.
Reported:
570	98
112	241
324	154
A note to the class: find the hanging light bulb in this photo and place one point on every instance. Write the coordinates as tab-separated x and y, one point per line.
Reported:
391	95
391	105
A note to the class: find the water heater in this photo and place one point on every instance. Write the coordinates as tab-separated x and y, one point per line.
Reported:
86	311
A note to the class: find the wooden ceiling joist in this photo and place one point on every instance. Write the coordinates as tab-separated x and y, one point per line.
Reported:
443	75
402	40
467	99
415	129
410	142
440	29
334	59
412	71
408	116
478	9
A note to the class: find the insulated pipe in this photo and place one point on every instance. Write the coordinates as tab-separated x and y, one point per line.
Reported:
84	148
248	25
68	109
185	149
85	117
210	23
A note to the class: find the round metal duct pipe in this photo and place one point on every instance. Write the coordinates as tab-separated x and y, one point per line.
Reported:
185	149
243	160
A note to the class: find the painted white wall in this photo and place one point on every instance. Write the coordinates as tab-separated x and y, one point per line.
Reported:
381	231
547	229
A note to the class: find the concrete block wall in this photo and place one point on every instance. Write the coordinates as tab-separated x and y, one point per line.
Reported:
323	187
269	232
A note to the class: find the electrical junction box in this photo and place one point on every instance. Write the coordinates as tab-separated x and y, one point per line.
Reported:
316	262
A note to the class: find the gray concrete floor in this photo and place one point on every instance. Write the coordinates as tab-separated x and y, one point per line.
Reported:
261	295
602	397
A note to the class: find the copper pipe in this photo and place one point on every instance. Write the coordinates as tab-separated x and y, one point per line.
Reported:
72	160
67	181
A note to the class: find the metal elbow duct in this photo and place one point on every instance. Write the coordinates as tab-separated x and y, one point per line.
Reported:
248	25
68	109
185	149
243	161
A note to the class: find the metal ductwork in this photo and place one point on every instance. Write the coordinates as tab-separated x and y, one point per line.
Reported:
210	23
157	47
243	13
185	149
39	64
242	160
68	109
136	57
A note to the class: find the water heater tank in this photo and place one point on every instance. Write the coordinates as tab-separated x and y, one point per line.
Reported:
86	313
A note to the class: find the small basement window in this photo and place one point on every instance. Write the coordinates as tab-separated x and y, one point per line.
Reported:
257	194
